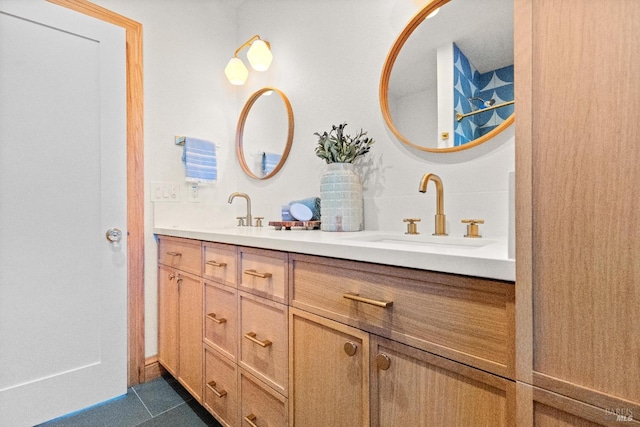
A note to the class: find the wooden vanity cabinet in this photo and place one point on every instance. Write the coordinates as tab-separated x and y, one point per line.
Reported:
291	339
343	376
179	312
427	348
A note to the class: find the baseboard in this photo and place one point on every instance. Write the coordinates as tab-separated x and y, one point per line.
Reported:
152	368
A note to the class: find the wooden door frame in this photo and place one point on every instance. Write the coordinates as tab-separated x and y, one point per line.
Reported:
135	181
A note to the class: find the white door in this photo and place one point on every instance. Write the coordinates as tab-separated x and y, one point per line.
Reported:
63	325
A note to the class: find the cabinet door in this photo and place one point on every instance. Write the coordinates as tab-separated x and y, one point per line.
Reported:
411	387
168	319
578	206
190	333
329	373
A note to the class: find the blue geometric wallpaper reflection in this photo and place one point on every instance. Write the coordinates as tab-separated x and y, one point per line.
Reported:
470	83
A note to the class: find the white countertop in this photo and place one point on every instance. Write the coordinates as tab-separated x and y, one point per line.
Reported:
488	261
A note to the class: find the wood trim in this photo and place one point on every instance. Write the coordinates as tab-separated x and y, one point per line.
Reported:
589	396
599	416
524	190
524	405
153	369
135	181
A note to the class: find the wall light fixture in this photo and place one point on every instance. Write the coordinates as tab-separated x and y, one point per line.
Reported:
259	56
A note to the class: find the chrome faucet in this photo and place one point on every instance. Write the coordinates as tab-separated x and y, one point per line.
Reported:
440	217
246	197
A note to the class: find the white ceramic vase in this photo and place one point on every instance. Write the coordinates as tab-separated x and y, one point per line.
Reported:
341	199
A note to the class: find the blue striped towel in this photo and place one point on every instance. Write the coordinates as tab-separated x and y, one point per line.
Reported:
269	162
199	157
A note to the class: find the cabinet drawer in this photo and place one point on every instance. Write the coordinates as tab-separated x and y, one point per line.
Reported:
220	387
221	318
259	404
263	343
466	319
183	254
264	273
219	263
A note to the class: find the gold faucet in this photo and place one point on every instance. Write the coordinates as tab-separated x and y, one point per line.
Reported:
440	217
246	197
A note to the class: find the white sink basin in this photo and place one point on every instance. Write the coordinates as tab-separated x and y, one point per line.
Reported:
424	240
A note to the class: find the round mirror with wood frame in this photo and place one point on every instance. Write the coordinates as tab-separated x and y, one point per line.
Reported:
264	138
474	30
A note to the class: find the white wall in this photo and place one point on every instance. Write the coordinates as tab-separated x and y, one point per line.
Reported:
185	47
328	56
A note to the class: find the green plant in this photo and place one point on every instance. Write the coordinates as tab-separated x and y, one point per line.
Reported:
336	147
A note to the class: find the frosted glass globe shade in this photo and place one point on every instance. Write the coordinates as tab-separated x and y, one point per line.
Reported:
259	56
236	71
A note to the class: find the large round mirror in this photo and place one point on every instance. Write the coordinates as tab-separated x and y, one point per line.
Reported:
264	133
447	84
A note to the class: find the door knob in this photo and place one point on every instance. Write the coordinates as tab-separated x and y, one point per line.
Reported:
114	235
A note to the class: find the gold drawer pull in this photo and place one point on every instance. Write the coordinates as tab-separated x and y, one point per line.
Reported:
212	387
212	316
383	362
174	254
357	297
257	274
350	348
251	336
216	264
250	420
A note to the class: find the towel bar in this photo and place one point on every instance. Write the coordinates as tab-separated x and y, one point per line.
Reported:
179	140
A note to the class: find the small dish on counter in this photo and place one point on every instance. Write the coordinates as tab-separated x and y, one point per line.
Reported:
300	212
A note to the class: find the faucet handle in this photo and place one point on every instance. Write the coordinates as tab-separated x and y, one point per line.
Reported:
472	227
258	220
412	228
241	220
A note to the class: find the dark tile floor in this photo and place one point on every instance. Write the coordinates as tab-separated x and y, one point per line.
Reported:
162	402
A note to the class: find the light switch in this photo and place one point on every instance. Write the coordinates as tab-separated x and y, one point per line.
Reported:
165	192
